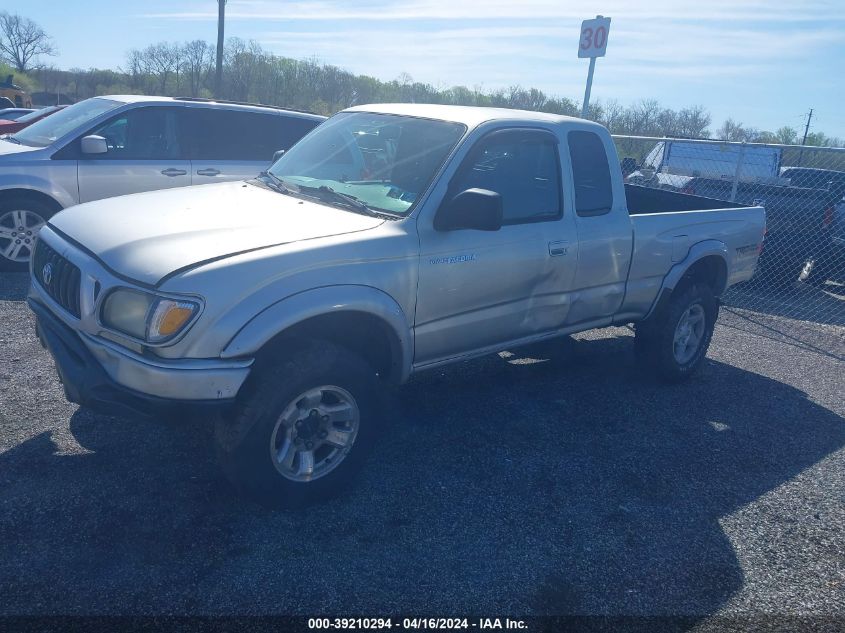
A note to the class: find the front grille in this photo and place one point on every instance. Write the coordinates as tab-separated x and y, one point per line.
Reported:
59	278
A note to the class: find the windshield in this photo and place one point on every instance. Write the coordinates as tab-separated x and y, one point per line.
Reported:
384	161
43	132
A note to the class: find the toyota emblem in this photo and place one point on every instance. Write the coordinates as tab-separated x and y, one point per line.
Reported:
47	274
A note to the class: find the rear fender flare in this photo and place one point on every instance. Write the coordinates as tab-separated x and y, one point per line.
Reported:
697	252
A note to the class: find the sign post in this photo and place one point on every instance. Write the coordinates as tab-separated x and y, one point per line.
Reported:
593	43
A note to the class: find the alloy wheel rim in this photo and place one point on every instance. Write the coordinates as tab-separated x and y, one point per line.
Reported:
689	333
314	433
18	230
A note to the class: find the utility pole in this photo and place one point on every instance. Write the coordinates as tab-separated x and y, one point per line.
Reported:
807	127
804	140
218	77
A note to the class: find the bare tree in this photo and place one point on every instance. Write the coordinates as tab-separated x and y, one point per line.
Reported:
693	122
612	113
787	135
161	61
641	118
135	67
198	57
22	41
732	131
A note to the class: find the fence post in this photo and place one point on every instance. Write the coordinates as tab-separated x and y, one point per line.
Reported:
736	171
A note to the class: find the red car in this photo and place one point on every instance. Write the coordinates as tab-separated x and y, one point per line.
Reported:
10	127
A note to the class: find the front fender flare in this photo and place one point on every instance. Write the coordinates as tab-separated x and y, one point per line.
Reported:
297	308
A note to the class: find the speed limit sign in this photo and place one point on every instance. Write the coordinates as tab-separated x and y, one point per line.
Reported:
593	42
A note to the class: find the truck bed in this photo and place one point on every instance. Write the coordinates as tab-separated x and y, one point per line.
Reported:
668	225
649	200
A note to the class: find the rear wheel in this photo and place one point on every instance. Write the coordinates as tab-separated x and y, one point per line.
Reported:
675	342
303	427
782	272
20	222
829	266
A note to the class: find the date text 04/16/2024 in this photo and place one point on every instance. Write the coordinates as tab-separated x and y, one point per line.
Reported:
416	623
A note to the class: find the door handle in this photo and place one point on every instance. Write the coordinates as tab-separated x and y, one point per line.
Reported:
208	172
172	171
558	249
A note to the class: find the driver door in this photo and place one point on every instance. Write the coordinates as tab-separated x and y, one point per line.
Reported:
478	289
144	153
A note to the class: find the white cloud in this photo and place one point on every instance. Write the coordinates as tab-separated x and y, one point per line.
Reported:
442	40
507	52
327	10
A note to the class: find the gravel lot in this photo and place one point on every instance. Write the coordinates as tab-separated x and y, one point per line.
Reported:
557	480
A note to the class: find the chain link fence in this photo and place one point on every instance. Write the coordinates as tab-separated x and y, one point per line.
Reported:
801	272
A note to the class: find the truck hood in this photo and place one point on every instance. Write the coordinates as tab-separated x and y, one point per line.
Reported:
146	236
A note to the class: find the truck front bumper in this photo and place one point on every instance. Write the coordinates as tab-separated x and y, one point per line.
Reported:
107	379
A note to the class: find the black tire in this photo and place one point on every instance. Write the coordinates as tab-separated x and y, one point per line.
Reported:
654	342
782	273
244	439
41	209
828	266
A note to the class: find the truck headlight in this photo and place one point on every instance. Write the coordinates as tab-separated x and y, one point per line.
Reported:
145	316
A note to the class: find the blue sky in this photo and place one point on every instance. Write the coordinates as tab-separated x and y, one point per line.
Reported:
763	62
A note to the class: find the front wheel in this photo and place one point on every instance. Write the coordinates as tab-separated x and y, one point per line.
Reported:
303	426
20	222
675	342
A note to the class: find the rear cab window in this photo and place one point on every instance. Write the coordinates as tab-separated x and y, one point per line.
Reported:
590	174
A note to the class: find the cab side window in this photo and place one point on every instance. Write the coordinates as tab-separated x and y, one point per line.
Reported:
141	134
520	165
590	174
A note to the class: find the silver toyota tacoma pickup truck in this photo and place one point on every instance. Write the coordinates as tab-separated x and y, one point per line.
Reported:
390	240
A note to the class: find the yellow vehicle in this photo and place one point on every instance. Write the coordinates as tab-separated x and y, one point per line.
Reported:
15	93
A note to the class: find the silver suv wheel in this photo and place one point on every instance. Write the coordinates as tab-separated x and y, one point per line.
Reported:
314	433
18	230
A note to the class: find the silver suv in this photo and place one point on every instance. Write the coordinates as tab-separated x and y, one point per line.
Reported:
116	145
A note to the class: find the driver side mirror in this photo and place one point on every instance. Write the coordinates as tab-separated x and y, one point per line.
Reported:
278	154
94	144
478	209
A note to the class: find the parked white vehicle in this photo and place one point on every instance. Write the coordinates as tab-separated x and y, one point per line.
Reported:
115	145
756	163
672	164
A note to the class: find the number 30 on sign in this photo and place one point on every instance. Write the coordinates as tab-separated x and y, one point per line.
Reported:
593	42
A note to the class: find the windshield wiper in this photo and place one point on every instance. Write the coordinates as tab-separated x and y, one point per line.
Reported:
276	183
11	139
343	198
